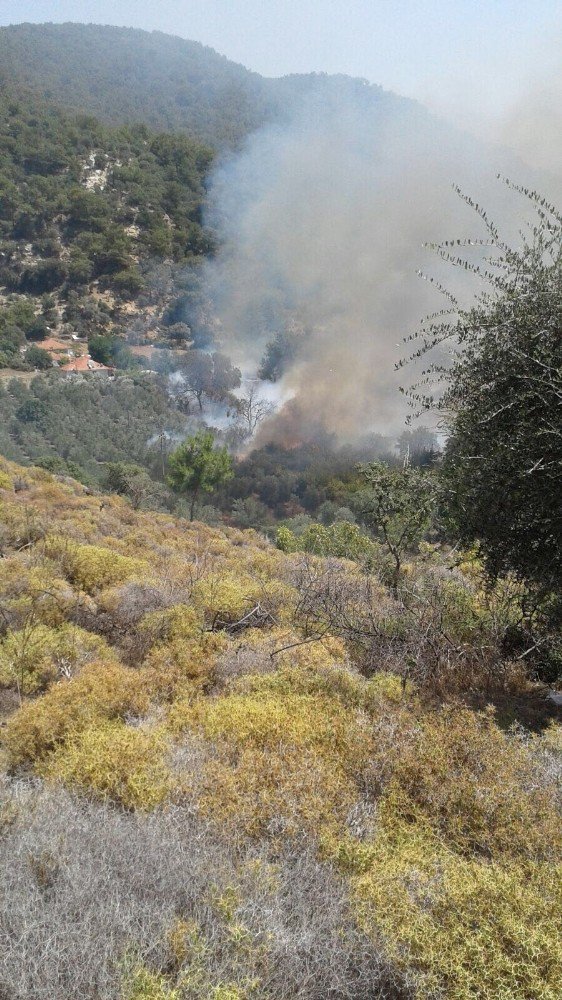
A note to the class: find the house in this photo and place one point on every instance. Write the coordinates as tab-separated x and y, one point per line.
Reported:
59	350
83	365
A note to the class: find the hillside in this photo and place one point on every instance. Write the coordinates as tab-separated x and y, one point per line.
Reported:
102	225
276	707
311	823
86	423
100	228
124	75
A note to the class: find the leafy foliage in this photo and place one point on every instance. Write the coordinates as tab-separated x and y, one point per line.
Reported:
198	466
81	425
36	655
398	504
502	396
163	81
86	212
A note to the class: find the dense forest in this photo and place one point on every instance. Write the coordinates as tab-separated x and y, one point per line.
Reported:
88	216
122	75
279	714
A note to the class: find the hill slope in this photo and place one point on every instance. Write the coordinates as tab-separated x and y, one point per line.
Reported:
127	75
90	210
306	827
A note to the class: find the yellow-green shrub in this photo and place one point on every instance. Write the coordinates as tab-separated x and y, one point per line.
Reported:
266	719
311	655
181	621
93	567
470	929
283	760
28	590
21	525
113	761
171	664
320	675
101	691
476	786
6	481
227	597
36	655
142	984
258	792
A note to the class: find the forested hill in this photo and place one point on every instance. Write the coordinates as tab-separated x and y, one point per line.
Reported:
88	210
106	139
124	75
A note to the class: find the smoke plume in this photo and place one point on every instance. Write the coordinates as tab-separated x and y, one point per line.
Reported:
323	220
533	123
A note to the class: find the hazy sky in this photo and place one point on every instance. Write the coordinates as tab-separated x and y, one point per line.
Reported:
455	55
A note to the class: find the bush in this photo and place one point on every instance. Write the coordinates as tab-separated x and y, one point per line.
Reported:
286	761
469	929
157	902
224	598
36	357
93	566
340	539
113	761
495	806
101	691
35	656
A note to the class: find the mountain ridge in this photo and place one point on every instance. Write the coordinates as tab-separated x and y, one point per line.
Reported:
164	81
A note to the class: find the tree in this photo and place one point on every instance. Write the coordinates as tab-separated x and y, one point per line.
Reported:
37	329
280	352
179	333
196	467
38	358
211	375
502	398
101	349
226	377
31	411
111	351
253	408
135	483
197	376
418	447
397	504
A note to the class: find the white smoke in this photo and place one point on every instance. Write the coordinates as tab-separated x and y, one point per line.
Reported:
324	219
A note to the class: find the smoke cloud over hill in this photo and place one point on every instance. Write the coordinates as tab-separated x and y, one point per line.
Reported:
323	220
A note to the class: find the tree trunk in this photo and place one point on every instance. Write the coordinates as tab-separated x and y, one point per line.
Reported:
192	506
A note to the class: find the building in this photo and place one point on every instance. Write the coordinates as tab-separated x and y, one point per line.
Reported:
84	365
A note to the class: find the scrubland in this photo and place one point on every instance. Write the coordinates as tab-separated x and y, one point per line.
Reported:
236	773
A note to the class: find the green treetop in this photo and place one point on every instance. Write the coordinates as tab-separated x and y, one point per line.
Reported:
196	467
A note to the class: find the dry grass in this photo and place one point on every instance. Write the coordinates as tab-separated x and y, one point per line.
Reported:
91	895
